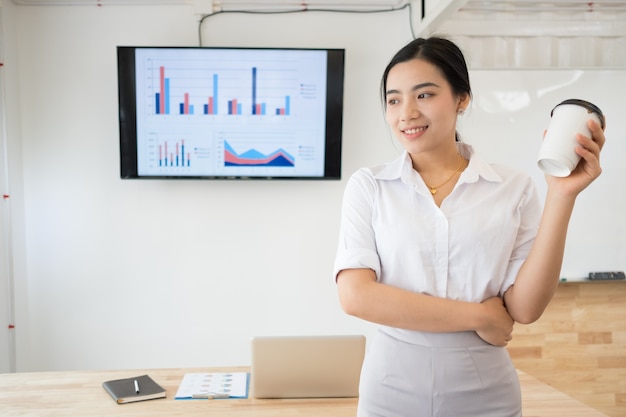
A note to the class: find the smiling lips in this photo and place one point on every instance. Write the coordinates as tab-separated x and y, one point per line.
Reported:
414	130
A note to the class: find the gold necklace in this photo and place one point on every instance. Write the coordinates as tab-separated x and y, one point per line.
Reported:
433	190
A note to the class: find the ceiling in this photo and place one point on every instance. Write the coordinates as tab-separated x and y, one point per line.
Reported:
605	18
573	18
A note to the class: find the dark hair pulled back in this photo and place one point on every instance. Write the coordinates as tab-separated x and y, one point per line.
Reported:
440	52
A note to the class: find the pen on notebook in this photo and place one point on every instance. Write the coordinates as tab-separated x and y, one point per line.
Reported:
136	387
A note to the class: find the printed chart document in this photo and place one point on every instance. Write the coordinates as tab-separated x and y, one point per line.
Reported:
213	385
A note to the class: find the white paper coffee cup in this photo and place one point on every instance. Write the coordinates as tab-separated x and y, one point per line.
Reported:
557	156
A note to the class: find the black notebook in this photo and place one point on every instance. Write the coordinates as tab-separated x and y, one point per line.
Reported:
129	390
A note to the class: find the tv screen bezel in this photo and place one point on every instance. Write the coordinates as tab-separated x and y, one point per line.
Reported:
127	102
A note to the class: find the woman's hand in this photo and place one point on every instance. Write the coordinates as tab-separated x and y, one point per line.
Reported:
498	327
588	169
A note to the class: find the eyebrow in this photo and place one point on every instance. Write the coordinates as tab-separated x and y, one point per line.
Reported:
415	88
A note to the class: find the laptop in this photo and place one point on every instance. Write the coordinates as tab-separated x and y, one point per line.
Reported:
306	366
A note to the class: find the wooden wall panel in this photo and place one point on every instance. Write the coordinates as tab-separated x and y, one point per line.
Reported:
578	346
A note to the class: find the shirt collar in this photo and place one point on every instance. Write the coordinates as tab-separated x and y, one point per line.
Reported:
402	168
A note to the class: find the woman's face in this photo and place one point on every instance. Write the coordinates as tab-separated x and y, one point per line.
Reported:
421	107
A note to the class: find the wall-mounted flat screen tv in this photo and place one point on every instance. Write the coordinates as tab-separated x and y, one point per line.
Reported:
239	113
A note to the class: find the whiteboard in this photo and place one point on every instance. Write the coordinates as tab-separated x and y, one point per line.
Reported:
505	123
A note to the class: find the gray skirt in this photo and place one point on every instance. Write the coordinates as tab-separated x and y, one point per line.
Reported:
443	375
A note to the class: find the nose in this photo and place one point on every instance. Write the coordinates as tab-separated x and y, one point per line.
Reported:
409	110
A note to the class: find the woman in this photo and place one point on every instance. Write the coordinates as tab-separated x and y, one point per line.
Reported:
445	251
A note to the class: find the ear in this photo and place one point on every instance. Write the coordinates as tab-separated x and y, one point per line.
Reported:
464	101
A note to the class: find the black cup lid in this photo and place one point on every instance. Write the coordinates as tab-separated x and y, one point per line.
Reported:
583	103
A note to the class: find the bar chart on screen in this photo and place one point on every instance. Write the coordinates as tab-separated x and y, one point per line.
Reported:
205	88
169	154
175	156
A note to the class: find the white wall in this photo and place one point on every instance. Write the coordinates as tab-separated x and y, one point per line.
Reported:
127	274
12	247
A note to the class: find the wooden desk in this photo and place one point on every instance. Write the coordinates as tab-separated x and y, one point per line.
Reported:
80	394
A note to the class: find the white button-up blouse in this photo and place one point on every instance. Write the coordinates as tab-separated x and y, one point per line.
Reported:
471	248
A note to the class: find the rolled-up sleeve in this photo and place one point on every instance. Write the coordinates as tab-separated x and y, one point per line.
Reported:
357	240
529	213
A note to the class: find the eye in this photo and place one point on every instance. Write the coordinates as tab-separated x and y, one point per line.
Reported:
424	95
392	101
